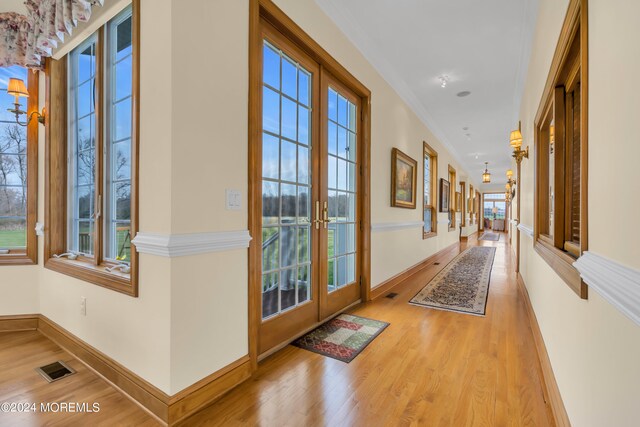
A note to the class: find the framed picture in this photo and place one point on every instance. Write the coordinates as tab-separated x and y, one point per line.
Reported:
458	201
445	194
403	180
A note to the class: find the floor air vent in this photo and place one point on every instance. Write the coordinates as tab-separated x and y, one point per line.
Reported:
391	295
436	263
55	371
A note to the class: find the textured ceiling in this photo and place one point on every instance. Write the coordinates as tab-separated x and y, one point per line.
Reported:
482	46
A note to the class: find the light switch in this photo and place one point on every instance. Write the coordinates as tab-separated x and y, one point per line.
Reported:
233	199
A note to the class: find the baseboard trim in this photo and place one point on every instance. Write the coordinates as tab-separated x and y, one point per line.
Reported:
20	322
399	278
199	395
168	410
551	390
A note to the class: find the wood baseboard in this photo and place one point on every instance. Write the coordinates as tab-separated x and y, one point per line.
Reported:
21	322
169	410
394	281
551	390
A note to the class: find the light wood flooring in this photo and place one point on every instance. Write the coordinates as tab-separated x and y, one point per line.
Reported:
22	352
428	368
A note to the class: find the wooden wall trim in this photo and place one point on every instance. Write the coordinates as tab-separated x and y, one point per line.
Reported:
550	386
167	409
20	322
405	275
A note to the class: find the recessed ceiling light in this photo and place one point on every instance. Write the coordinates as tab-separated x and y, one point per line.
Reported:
463	93
443	81
465	128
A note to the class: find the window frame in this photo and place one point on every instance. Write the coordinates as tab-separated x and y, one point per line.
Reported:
452	198
463	204
433	170
472	196
90	269
570	64
29	255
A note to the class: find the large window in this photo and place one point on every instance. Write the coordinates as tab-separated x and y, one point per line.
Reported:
99	82
430	200
18	172
495	206
560	144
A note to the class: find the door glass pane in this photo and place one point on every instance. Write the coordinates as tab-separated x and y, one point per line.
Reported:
342	191
286	182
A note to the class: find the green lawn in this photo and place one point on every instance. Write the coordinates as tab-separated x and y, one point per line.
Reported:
13	238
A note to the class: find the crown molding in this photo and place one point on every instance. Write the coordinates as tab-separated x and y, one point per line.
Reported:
616	283
174	245
393	226
526	229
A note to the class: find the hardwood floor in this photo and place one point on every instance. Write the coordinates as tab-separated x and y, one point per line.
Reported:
22	352
428	368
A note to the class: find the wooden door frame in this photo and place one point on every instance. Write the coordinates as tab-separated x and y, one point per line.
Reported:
267	10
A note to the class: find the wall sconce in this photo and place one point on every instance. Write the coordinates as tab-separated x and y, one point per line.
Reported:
511	183
515	140
17	88
486	176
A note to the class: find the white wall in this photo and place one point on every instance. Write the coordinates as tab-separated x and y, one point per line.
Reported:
594	349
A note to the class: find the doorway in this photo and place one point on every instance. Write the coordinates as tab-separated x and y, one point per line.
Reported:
308	256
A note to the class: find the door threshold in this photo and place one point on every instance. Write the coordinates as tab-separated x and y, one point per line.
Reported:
282	345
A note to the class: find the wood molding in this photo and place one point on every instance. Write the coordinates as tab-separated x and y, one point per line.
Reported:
616	283
401	277
174	245
550	386
20	322
167	409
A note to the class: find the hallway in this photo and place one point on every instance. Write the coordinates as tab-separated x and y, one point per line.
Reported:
429	367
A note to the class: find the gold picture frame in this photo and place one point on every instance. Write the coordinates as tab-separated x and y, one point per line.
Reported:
403	180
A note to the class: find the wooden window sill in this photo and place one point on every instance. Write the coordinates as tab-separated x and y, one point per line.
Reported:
428	235
17	258
562	264
97	275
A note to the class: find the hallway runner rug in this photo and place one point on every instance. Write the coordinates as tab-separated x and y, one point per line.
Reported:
342	337
490	236
463	285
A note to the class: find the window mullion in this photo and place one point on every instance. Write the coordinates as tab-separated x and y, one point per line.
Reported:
99	147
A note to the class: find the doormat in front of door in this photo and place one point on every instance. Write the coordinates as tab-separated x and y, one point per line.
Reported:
463	285
342	337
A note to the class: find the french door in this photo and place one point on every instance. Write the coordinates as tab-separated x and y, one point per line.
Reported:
310	207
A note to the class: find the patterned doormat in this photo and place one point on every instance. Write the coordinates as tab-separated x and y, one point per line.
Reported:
490	236
463	285
343	337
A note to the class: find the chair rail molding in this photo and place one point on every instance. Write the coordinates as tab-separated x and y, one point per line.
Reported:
175	245
526	229
616	283
392	226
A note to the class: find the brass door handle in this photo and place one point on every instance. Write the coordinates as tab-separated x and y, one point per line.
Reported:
317	221
325	215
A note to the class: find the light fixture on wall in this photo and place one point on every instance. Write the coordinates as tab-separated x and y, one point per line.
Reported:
511	183
515	140
486	176
17	88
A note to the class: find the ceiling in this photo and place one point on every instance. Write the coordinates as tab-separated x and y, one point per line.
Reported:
482	46
13	6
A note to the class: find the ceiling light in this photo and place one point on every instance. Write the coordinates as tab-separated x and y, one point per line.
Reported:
486	176
463	93
443	81
465	128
